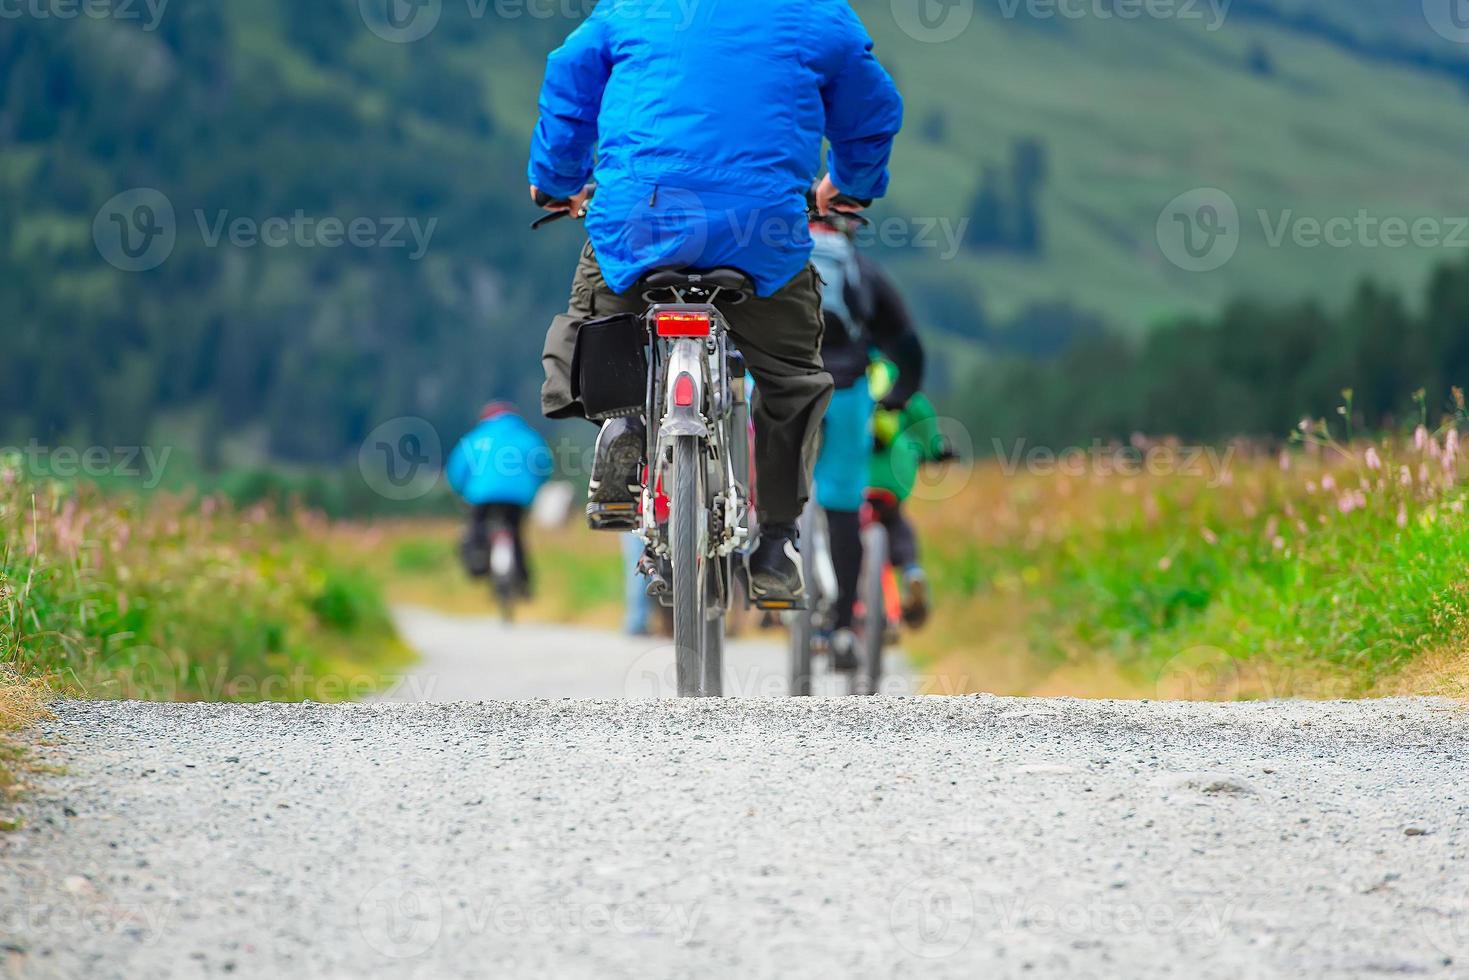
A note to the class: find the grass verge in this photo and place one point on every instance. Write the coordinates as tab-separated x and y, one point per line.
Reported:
167	598
1333	570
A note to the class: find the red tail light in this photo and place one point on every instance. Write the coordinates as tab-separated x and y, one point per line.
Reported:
682	324
683	391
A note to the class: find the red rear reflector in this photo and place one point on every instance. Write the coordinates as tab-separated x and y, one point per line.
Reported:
677	324
683	391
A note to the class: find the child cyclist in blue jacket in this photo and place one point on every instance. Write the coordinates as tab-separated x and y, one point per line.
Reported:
498	468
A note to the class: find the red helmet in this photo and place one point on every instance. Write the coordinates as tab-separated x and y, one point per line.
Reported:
494	409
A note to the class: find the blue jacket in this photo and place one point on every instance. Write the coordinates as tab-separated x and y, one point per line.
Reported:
501	461
706	120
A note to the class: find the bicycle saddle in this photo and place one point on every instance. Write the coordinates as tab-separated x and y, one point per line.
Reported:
731	281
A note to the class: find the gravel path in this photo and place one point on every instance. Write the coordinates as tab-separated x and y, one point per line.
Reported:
969	837
479	658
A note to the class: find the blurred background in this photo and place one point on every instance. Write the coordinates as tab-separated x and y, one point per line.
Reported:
250	235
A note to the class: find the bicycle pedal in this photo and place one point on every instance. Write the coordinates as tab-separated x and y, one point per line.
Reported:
780	605
612	517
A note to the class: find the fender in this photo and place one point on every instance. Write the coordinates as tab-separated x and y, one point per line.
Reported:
687	358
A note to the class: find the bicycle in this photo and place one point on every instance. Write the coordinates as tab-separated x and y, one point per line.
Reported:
696	511
505	581
810	628
489	551
697	506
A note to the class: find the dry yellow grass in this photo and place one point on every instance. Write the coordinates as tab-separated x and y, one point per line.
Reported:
22	704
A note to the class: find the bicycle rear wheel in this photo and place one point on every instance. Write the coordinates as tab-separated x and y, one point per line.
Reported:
803	621
689	538
713	684
874	608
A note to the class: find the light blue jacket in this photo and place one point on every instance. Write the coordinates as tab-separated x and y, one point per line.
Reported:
501	461
705	121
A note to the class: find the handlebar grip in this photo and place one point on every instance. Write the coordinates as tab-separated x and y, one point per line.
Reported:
547	218
543	199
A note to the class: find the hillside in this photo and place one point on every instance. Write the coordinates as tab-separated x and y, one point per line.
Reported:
1087	127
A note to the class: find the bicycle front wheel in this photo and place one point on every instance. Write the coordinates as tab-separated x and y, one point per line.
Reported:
689	540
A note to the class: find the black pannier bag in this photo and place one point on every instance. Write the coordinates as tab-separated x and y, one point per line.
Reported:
609	367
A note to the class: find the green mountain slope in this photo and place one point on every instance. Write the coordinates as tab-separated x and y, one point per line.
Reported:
265	109
1136	113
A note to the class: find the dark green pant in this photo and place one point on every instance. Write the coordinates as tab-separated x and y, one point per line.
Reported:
780	337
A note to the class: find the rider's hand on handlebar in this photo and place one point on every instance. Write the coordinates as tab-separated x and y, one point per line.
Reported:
572	205
826	198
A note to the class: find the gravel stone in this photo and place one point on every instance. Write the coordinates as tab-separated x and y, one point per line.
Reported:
951	837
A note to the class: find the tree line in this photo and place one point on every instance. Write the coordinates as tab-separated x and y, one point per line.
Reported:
1255	369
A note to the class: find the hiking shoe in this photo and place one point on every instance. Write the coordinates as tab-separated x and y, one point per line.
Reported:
615	491
844	652
776	581
915	598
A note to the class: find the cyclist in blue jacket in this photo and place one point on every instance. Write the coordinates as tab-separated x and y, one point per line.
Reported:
704	132
498	468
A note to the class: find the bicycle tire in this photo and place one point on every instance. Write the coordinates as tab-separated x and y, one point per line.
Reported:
803	621
690	588
874	607
713	656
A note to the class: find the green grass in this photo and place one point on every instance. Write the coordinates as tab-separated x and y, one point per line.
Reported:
160	598
1325	574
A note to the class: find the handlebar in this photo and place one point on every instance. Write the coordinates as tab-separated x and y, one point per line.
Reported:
843	204
546	200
